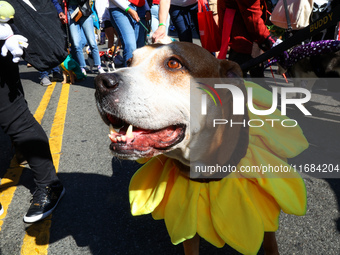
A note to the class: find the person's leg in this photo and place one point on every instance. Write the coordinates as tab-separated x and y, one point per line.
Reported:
140	32
27	134
239	58
56	74
44	79
109	32
124	26
75	32
55	69
43	74
192	11
181	20
154	17
87	26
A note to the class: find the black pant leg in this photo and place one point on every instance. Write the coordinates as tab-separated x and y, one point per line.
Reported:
18	122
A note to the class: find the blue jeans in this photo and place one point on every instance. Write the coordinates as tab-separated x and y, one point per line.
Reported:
43	74
131	33
154	18
182	18
85	24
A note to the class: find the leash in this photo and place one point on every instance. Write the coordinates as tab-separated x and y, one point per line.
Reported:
66	26
314	28
289	24
140	22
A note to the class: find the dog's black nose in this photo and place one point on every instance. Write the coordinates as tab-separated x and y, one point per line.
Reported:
106	82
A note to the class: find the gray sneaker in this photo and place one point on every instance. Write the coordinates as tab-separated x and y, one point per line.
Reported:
45	81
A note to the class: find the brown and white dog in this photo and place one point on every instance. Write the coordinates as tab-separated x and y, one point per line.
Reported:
148	106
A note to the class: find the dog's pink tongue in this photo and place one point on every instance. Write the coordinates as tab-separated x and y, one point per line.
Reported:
158	139
142	140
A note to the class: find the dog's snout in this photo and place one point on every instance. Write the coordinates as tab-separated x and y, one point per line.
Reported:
105	82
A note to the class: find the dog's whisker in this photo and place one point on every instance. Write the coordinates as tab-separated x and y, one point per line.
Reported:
157	157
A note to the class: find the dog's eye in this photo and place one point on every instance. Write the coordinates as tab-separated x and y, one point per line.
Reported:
174	64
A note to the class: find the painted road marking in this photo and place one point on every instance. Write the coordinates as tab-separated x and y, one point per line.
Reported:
12	176
37	236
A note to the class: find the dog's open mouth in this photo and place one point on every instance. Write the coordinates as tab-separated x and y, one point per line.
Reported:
135	141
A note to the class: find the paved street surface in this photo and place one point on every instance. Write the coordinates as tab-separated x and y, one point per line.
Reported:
94	217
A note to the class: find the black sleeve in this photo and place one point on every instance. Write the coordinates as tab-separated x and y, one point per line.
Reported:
82	2
14	28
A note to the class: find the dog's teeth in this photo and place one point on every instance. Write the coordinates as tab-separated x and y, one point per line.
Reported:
123	138
114	130
113	138
129	132
119	138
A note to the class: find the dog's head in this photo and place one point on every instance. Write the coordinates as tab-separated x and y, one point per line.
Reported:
147	104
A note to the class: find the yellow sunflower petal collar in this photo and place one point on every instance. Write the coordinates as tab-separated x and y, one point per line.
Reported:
236	210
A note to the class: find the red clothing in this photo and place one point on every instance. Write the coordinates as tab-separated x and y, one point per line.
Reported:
249	23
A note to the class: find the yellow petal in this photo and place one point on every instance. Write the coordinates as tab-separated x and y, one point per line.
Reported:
142	160
181	209
205	227
147	186
234	216
159	212
286	142
287	188
265	204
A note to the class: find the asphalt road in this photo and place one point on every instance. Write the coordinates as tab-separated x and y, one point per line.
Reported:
94	217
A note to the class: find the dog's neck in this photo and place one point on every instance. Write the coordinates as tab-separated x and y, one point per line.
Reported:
239	152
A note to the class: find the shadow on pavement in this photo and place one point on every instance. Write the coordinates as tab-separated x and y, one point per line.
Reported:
95	213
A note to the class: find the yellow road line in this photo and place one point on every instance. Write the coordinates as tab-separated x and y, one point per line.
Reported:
11	178
37	236
8	186
39	113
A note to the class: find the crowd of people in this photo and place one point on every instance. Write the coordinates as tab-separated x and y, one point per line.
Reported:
127	19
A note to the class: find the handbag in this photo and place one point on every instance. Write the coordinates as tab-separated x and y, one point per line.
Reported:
76	14
209	32
85	8
47	42
95	17
295	12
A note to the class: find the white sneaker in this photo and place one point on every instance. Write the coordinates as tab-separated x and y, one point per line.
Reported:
84	72
101	70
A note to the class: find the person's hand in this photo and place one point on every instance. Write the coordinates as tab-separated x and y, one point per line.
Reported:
148	15
160	33
133	14
277	42
62	17
268	43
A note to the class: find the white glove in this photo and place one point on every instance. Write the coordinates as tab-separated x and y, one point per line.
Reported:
13	43
278	41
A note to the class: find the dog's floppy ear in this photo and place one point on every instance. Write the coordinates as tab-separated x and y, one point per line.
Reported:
230	69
